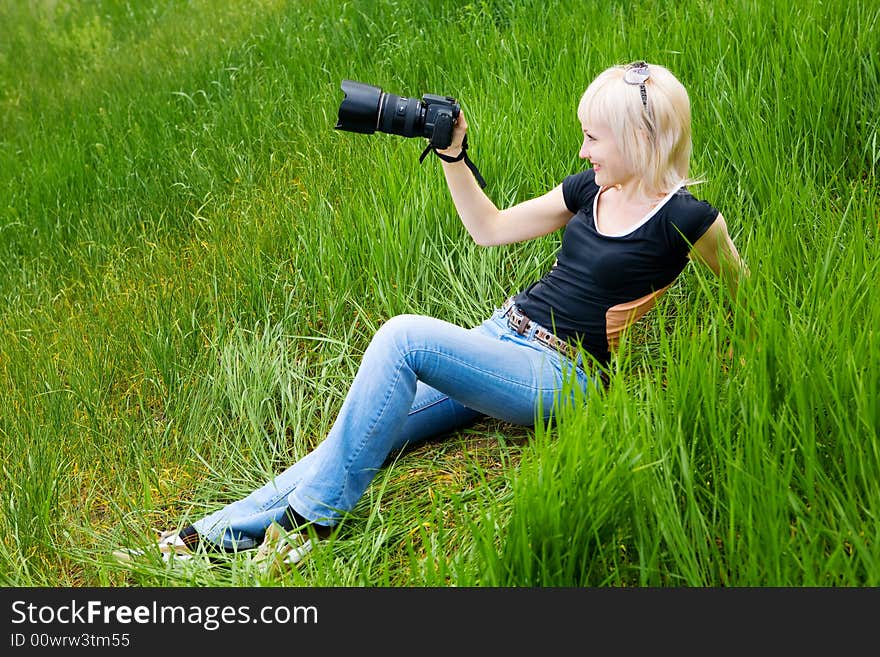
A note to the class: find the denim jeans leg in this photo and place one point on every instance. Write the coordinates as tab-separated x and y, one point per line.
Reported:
419	377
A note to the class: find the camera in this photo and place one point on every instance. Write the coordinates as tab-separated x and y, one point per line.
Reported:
366	109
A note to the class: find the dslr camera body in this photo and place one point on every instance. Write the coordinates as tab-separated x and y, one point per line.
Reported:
367	109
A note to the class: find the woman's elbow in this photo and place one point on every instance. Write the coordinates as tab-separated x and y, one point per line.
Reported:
483	235
490	238
483	240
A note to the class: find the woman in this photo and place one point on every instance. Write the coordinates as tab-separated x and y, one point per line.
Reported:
630	226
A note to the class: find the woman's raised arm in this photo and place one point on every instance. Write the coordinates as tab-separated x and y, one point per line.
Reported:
488	225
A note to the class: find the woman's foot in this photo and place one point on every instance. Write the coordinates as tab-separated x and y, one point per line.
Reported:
280	549
169	547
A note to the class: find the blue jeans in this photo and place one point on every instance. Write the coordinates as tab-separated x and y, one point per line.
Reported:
419	377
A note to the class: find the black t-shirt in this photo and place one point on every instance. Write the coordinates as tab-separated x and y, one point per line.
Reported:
600	284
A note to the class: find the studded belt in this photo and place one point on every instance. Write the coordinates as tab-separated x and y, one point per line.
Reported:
520	323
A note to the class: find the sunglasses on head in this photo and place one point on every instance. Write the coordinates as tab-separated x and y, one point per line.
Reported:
638	73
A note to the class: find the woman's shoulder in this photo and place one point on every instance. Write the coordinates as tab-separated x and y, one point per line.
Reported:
688	214
684	201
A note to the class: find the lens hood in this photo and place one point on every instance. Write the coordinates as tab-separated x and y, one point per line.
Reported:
359	110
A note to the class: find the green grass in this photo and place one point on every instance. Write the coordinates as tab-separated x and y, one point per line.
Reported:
194	260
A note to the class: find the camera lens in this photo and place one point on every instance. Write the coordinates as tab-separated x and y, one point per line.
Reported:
401	116
366	109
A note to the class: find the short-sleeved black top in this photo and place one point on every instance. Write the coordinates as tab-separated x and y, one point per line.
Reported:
602	283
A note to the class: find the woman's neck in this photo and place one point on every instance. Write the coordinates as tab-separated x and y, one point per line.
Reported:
634	193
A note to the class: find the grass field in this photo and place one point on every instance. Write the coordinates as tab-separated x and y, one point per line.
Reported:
193	261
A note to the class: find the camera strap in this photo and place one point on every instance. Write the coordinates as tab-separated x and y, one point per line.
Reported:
461	156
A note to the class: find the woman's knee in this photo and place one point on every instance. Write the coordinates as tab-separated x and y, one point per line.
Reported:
401	330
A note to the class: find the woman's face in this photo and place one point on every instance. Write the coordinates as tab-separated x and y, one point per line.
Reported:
601	150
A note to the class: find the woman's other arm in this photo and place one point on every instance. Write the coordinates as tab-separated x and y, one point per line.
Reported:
716	250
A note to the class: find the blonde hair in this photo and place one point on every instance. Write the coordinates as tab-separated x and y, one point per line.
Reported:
655	142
